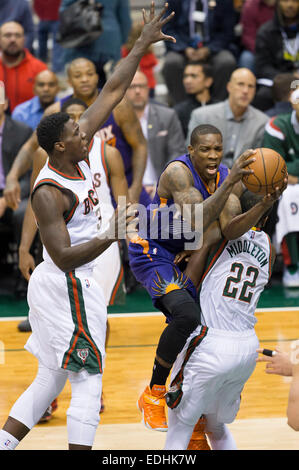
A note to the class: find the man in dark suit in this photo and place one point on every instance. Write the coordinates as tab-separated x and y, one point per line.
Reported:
13	135
161	127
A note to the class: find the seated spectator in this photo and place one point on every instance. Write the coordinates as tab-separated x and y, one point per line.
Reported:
282	135
48	14
149	60
276	50
214	44
281	92
161	127
18	67
197	81
45	89
13	135
20	12
242	126
116	22
74	108
254	14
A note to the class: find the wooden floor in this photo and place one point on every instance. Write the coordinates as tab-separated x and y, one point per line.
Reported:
260	424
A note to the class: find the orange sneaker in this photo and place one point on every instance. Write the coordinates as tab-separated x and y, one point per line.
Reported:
198	439
152	405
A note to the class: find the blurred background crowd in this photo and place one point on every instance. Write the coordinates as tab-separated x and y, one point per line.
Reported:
235	64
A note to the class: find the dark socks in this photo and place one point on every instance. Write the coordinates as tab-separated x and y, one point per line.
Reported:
160	374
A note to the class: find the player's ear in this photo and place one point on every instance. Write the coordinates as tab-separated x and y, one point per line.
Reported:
59	146
190	149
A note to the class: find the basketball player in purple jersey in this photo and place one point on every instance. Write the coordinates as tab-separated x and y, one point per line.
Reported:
197	178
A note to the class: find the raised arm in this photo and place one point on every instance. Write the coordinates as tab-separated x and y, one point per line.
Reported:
234	224
115	88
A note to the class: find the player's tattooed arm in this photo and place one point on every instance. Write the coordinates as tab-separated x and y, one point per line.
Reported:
177	182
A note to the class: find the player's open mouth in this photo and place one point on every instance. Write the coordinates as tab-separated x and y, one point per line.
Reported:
212	169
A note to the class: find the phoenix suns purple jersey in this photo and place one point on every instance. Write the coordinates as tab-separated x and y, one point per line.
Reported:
161	225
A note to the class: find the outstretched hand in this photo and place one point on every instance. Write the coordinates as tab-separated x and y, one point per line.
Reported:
279	364
152	30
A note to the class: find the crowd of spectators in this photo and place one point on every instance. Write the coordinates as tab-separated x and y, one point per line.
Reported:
235	64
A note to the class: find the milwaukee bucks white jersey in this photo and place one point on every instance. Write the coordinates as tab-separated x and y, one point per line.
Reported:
108	270
235	277
80	219
100	171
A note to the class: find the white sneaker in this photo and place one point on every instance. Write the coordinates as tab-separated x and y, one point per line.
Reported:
290	280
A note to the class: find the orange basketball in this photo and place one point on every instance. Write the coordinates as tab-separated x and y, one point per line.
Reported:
269	172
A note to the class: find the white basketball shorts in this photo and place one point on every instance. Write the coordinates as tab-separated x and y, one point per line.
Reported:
215	373
108	272
68	316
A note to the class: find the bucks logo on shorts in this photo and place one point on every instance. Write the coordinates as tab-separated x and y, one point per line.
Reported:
83	354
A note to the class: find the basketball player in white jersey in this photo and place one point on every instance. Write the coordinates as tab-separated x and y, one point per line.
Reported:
108	177
108	173
208	379
67	311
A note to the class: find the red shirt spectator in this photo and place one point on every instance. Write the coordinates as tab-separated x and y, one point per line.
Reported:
254	14
18	68
19	80
47	10
147	65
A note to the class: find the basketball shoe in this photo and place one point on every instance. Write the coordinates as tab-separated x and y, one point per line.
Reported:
198	440
152	405
49	411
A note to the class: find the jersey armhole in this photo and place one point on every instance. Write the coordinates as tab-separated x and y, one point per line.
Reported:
67	215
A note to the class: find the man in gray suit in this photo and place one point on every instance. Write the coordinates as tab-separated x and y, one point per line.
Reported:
242	126
161	127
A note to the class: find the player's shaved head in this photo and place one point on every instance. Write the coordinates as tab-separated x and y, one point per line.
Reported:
203	129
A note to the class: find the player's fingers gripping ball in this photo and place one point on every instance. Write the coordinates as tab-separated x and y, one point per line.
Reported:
270	172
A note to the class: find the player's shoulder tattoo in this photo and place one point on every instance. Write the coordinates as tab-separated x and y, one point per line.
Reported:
178	176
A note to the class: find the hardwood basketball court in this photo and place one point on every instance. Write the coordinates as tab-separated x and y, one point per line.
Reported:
260	424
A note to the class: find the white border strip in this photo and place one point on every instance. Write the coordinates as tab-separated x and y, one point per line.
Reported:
158	314
278	309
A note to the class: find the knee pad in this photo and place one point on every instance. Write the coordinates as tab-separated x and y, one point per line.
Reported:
83	415
85	403
184	316
182	309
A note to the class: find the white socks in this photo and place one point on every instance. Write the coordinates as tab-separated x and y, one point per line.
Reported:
7	441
